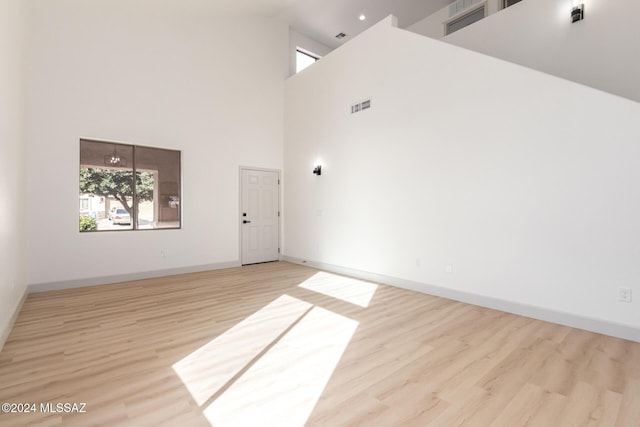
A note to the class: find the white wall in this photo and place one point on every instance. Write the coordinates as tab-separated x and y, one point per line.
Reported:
12	169
432	25
298	40
175	75
525	183
601	51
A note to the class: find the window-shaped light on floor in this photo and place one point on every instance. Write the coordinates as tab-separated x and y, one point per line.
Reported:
284	385
354	291
207	370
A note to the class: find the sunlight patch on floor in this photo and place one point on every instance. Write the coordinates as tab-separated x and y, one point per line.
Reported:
346	289
284	385
205	371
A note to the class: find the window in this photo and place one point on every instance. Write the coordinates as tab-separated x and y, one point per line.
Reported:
150	201
304	59
507	3
467	19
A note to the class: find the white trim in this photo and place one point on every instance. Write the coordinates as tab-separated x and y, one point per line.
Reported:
601	326
94	281
6	330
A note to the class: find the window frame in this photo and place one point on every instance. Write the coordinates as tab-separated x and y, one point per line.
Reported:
310	54
464	14
505	3
134	169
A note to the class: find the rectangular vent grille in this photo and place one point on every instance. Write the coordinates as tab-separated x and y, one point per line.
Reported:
466	19
361	106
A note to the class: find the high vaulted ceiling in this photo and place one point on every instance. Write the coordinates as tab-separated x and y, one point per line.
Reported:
323	19
320	19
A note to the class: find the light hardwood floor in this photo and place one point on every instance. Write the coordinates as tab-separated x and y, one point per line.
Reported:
279	344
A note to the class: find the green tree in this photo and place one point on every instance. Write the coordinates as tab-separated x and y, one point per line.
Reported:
117	184
87	223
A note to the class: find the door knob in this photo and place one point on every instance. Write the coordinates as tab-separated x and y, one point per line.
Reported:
245	221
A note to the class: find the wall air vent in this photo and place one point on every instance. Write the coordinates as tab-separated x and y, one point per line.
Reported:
361	106
474	15
340	36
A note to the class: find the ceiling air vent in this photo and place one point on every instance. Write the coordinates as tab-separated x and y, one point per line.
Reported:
340	36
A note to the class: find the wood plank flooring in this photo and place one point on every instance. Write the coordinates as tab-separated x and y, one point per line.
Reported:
280	344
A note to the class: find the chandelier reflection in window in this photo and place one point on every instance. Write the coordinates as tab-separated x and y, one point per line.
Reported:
114	159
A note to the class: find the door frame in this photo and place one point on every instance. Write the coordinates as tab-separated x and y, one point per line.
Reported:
251	168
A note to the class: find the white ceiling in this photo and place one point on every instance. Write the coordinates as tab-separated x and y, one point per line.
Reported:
319	19
323	19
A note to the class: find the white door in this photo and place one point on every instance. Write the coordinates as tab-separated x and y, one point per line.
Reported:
259	216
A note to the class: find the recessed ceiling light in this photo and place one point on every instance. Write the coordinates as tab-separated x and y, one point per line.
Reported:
362	17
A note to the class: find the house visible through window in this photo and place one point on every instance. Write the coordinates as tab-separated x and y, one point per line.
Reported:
110	197
304	59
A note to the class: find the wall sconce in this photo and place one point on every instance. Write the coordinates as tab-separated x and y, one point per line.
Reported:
317	170
577	13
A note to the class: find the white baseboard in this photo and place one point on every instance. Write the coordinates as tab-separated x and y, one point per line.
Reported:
568	319
79	283
6	330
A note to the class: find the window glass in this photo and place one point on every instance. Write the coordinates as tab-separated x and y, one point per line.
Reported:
303	60
114	201
158	188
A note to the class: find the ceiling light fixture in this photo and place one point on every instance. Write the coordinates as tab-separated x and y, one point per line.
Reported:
362	17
